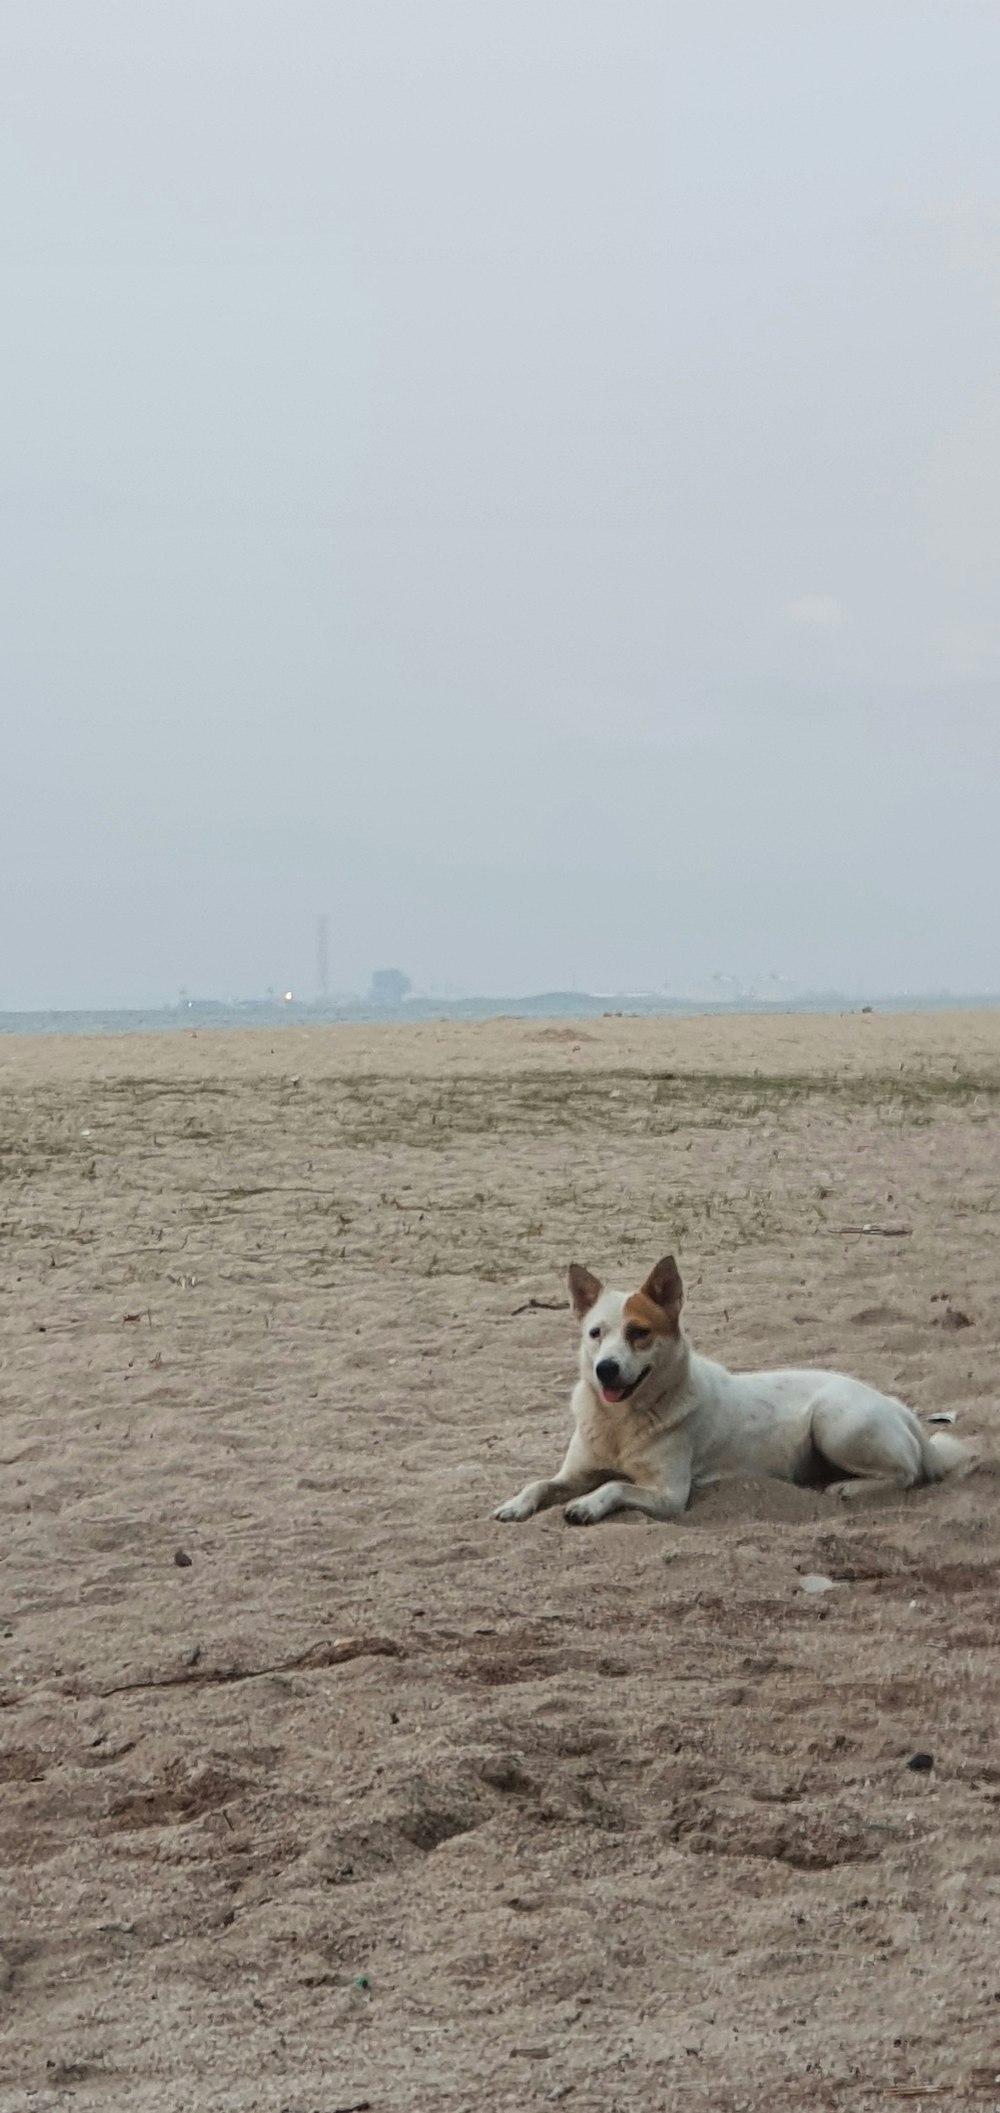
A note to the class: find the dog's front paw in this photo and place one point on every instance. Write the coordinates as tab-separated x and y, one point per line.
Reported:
515	1508
581	1513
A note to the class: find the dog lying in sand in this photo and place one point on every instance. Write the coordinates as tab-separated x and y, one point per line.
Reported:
654	1421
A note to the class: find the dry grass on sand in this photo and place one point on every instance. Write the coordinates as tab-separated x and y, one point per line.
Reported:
610	1818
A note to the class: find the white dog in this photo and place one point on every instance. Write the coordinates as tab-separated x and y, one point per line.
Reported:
654	1421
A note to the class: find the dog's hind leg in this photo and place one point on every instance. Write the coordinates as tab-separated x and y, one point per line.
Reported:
869	1435
943	1456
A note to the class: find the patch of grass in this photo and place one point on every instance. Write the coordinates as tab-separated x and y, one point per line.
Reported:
134	1088
382	1110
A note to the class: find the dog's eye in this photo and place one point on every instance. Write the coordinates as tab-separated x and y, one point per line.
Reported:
595	1335
639	1338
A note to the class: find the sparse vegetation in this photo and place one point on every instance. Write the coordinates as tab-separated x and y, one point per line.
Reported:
303	1166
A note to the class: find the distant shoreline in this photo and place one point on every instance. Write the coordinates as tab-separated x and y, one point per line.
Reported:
553	1005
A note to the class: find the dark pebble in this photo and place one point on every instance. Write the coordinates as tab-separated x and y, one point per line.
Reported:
182	1560
921	1762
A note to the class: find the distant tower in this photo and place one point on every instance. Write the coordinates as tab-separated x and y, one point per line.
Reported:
322	956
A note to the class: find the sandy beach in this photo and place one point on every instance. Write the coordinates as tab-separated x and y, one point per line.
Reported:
321	1790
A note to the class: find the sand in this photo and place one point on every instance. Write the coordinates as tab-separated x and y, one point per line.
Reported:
615	1818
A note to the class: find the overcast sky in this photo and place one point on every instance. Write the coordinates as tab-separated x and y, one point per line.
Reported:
519	476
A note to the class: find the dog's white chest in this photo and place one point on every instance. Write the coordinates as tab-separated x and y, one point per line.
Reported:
612	1438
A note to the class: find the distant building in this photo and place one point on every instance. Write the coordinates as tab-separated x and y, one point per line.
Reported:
389	987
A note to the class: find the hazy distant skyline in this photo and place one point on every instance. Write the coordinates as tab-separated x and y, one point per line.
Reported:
519	476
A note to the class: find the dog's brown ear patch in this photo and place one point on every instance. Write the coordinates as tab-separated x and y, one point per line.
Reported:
664	1290
640	1312
584	1289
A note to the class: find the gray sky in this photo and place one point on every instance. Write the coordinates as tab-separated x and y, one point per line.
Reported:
521	476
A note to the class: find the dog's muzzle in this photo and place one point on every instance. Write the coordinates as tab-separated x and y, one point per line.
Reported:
614	1390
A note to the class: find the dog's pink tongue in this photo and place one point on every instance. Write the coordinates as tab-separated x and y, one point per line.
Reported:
613	1394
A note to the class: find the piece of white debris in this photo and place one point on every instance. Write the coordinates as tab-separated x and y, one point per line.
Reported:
943	1416
817	1583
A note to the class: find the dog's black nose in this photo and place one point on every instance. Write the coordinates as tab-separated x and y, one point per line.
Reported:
607	1371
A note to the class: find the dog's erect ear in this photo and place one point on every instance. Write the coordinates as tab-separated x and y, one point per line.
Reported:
584	1289
663	1285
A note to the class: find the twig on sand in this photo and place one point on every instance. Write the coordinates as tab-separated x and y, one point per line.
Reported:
884	1232
541	1306
335	1652
920	2090
904	2090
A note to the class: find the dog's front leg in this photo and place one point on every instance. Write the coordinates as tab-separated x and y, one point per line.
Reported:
665	1503
540	1496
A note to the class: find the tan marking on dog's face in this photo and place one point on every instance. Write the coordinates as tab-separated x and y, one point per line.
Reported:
641	1319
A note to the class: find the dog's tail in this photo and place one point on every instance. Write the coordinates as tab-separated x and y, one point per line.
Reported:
942	1456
